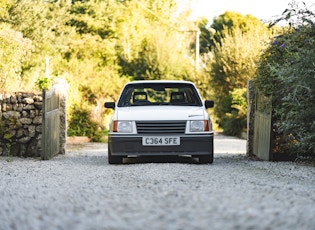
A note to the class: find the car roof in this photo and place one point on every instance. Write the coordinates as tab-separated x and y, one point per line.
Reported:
159	81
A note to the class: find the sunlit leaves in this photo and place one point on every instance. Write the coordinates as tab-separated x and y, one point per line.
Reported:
236	51
14	50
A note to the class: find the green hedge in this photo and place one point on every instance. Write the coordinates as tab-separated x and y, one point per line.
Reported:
286	72
81	124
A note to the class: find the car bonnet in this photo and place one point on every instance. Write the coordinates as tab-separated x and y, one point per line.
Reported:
149	113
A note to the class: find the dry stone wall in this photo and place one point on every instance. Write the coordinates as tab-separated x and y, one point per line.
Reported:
20	124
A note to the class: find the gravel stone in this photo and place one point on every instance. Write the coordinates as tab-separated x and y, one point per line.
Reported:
80	190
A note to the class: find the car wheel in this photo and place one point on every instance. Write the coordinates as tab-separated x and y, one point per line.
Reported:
114	159
207	159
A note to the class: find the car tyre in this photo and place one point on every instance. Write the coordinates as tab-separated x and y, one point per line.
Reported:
208	159
114	159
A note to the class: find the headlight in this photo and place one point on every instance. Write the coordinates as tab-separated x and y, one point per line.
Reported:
122	126
200	126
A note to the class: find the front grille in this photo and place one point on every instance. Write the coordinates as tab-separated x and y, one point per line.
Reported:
161	127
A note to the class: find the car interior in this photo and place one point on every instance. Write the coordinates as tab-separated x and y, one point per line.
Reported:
177	97
159	94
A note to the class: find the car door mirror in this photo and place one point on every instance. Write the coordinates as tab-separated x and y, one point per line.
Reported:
109	105
209	104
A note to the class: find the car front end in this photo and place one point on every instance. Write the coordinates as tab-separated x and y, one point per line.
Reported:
157	128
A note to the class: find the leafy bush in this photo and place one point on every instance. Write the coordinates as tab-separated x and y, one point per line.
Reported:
234	122
43	83
286	72
235	54
81	124
15	48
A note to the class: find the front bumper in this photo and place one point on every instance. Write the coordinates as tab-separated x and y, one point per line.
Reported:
131	145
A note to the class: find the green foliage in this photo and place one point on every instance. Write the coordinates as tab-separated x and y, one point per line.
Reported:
234	122
44	24
155	61
14	49
206	36
100	45
81	124
233	64
229	22
44	83
156	49
286	72
117	42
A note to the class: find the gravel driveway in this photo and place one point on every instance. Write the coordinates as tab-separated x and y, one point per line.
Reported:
81	191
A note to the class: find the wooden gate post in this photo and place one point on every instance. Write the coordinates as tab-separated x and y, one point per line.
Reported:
260	124
51	124
250	118
54	128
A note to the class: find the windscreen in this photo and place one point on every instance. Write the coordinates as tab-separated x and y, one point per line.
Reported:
152	94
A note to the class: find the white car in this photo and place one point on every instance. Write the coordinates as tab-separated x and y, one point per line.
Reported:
160	118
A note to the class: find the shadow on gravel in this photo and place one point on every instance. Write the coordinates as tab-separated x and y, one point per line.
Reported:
226	149
92	160
160	159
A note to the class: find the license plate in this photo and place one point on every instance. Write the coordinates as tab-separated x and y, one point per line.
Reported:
160	141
